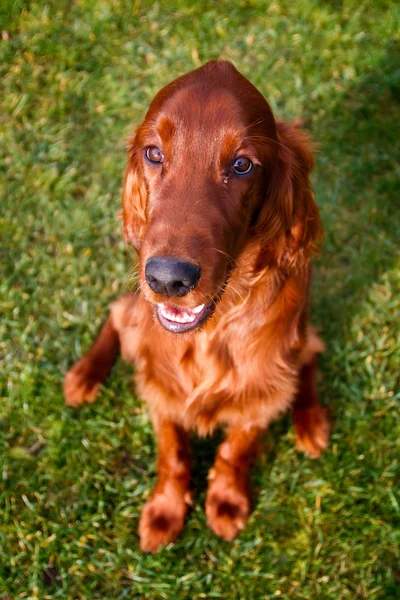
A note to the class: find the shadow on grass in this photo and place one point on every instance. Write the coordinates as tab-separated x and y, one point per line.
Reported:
358	189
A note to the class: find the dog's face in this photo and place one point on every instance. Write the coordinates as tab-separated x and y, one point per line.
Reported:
199	170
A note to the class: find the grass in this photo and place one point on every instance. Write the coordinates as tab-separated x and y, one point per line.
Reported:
74	77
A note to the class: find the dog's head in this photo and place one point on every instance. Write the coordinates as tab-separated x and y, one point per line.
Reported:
209	170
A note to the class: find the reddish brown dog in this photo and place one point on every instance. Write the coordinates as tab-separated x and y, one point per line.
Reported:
218	204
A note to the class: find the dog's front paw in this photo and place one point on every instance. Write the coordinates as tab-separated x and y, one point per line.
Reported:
81	384
312	428
161	521
227	508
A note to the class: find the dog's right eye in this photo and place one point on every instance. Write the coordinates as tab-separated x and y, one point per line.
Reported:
154	155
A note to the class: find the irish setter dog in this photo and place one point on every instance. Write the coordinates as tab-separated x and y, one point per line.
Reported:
218	204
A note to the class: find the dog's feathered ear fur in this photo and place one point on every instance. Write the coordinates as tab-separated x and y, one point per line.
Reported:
134	198
289	226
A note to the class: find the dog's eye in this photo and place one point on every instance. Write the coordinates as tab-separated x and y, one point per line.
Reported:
154	154
242	165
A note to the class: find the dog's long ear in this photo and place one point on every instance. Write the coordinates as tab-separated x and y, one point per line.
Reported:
134	197
289	225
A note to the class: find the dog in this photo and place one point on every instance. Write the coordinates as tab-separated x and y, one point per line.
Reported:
218	205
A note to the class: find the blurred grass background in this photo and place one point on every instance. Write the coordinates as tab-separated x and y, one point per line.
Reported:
75	77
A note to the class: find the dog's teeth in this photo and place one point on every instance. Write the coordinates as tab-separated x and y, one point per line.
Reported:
179	316
198	309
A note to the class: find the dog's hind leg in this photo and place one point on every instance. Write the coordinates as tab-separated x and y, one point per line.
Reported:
311	423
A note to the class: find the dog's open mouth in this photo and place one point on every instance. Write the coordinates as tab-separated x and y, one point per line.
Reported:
179	319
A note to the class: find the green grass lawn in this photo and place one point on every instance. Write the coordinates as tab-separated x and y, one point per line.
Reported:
75	77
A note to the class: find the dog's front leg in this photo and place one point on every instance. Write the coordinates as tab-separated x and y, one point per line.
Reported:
228	496
163	516
82	382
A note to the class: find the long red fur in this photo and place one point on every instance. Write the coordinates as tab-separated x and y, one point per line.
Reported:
252	237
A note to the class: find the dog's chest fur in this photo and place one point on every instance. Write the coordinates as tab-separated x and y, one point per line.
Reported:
196	380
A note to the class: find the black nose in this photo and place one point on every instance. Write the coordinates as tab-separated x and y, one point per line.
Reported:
171	277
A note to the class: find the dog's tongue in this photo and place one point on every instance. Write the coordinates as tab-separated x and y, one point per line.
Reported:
178	314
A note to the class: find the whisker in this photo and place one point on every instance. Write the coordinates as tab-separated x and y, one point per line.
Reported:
224	253
133	275
207	296
261	138
253	124
232	288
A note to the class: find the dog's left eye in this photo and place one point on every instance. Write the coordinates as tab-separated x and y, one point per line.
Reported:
242	165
